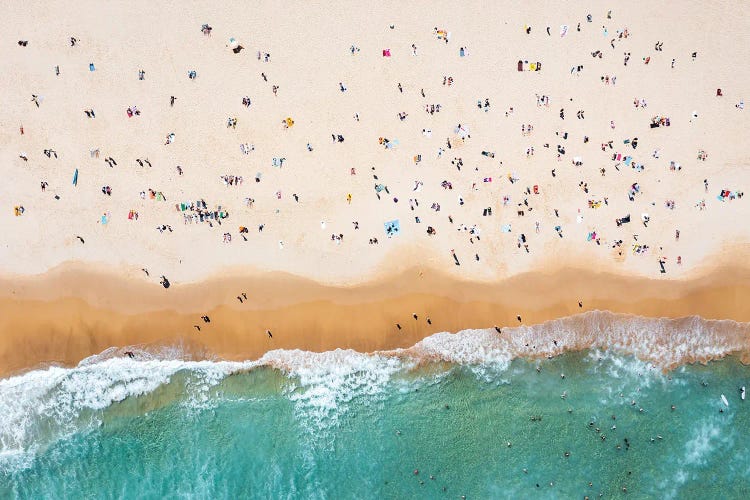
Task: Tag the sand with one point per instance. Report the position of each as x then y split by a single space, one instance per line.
312 290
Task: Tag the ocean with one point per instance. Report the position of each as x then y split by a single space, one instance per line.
415 423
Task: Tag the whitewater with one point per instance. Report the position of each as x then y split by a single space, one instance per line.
550 407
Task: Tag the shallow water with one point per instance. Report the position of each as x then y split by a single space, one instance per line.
348 425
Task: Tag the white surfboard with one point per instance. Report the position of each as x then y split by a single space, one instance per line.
724 400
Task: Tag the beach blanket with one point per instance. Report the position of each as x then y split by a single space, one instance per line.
563 30
505 228
392 228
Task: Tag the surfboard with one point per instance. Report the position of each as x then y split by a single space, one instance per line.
75 178
724 400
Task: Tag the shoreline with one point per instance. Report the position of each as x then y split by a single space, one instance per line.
67 315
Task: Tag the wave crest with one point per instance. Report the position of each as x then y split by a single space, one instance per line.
43 406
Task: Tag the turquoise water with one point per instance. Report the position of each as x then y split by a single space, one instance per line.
349 425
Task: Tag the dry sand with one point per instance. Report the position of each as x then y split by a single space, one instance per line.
58 306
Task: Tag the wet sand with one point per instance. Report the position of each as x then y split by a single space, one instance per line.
70 314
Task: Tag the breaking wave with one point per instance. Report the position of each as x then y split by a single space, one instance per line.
43 406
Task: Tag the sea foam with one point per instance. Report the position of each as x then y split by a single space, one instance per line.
42 406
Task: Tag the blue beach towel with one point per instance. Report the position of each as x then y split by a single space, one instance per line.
392 228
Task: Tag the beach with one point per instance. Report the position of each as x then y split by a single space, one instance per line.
209 193
299 220
73 314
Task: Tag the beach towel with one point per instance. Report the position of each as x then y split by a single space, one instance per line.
532 66
91 67
488 179
392 228
386 52
563 30
104 219
75 178
505 228
628 159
